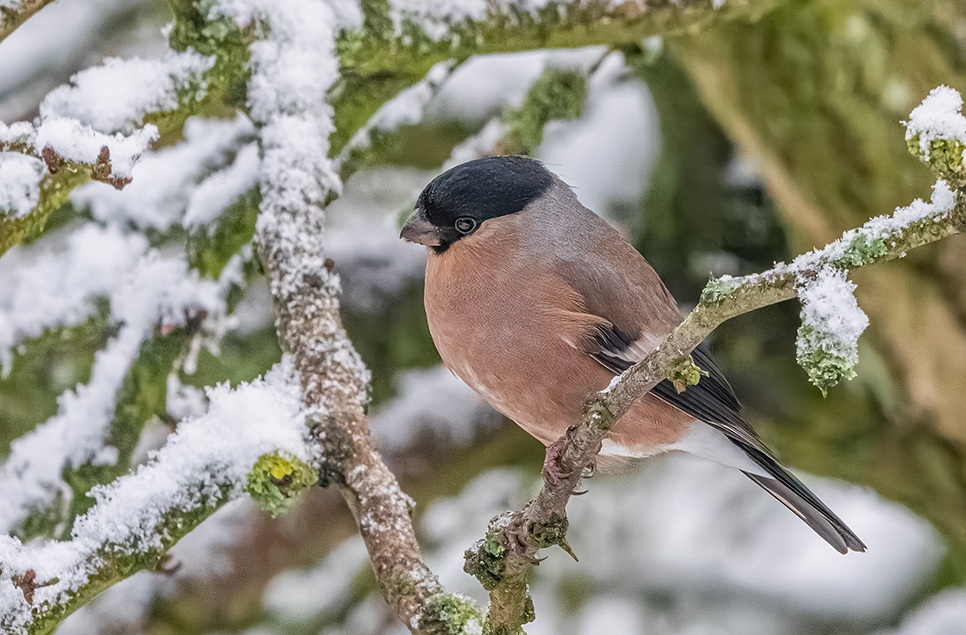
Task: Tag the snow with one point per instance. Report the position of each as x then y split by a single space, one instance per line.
299 595
937 117
693 543
203 464
221 189
116 95
74 141
436 16
431 400
165 180
49 46
607 154
55 282
833 316
483 85
19 184
18 132
158 290
292 71
942 614
184 401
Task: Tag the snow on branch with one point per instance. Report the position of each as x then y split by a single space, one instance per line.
298 48
116 96
832 323
89 130
189 183
206 463
157 292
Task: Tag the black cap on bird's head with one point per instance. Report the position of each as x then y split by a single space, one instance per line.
458 201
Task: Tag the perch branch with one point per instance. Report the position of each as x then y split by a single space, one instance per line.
502 560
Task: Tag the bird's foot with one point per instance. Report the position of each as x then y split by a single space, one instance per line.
554 472
516 538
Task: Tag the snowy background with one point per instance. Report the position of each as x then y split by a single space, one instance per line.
674 545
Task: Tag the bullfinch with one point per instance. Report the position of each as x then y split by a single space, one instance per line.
537 303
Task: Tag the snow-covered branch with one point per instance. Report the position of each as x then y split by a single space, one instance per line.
157 292
831 325
205 464
89 130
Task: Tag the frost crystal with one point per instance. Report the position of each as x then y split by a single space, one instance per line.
827 346
76 142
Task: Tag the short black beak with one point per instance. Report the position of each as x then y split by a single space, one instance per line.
418 229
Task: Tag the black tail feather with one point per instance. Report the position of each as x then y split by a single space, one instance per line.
811 510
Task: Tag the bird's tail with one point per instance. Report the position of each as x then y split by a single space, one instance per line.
807 506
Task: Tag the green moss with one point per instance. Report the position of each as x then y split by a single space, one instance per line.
558 93
450 614
276 479
943 156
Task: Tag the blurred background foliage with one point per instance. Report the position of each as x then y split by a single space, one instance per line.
775 135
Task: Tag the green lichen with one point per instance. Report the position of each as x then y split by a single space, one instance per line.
943 156
276 479
558 93
717 290
685 373
862 251
486 559
825 369
451 614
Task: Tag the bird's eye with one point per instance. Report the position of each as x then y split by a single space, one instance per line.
465 224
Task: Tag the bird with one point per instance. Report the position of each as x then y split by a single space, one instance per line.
537 303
